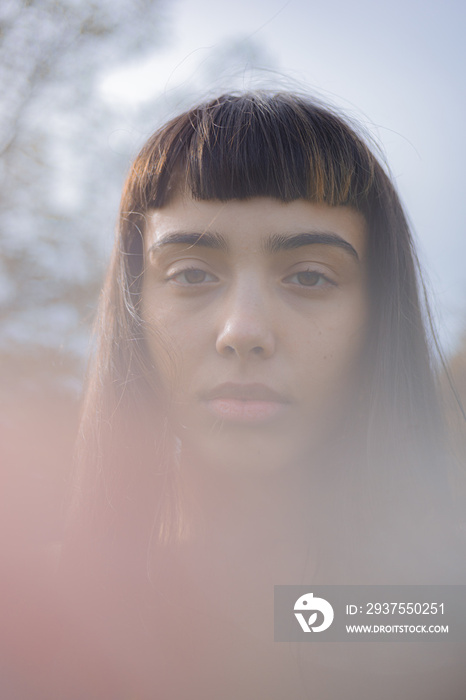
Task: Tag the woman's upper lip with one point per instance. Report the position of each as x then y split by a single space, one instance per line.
245 392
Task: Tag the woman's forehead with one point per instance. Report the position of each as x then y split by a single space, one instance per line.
259 222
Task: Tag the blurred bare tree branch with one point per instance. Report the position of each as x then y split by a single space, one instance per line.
59 185
46 41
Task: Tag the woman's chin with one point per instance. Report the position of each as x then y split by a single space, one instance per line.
252 454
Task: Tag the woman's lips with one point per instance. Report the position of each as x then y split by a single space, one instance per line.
245 403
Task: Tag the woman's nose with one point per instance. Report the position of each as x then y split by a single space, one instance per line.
245 328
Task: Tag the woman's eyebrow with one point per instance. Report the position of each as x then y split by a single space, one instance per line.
207 239
278 242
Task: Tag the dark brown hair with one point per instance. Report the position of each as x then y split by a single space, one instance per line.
288 147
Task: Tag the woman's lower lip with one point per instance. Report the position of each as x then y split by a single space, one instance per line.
244 411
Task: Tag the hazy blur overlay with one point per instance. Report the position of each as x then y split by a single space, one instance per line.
64 153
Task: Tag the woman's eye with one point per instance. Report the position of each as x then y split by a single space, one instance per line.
308 278
192 276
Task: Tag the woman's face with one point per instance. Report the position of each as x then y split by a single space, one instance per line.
264 304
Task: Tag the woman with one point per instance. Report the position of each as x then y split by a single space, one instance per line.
261 409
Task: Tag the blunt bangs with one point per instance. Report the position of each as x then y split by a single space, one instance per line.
256 145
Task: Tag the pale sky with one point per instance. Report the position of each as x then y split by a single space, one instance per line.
397 66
